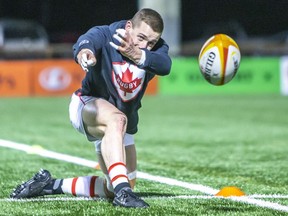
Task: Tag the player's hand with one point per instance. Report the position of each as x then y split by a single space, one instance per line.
86 58
127 46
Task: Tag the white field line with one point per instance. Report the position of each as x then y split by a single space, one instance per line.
196 187
68 198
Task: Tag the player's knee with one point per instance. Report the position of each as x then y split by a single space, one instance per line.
119 120
122 120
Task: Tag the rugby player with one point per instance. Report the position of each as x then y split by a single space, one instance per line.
119 59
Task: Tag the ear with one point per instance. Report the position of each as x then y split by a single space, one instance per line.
128 25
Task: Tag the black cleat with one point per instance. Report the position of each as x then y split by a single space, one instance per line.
33 187
126 198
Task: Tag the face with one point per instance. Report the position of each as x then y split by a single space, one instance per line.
143 36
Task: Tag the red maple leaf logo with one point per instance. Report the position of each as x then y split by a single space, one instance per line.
127 76
126 83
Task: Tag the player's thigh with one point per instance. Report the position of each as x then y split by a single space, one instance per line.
96 115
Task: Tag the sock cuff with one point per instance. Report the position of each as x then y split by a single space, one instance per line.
132 175
114 165
118 174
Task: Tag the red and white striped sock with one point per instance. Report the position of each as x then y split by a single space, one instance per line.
118 175
86 186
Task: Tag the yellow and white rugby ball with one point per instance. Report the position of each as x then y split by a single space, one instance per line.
219 59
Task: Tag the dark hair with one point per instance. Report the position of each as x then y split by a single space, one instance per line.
150 17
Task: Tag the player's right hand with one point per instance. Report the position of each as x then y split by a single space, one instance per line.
86 58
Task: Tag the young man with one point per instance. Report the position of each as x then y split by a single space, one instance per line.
120 60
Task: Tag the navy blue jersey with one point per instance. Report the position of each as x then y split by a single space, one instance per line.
115 77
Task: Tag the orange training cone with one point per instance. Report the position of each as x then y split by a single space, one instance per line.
230 191
97 166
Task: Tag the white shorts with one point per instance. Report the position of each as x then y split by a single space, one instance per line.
76 106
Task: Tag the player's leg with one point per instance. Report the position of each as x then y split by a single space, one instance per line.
99 119
83 186
42 184
102 119
131 160
131 163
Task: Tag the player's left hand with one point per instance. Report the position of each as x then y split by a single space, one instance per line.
127 46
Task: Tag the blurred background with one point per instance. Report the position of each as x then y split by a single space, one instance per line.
44 31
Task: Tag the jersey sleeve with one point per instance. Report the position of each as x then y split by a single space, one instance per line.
93 39
157 60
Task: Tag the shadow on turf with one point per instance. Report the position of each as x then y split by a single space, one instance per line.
151 194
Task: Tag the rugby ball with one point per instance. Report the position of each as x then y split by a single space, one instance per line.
219 59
